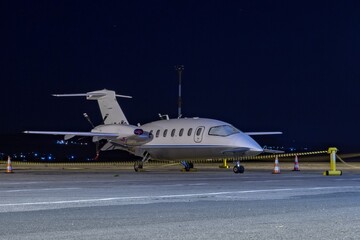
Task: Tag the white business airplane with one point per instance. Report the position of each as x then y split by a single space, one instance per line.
182 139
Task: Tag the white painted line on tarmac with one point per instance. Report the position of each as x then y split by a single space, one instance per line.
18 183
175 196
39 189
183 184
198 184
348 179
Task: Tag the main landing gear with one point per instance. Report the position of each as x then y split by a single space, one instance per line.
238 168
187 165
138 165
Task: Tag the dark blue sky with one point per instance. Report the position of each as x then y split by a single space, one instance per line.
290 66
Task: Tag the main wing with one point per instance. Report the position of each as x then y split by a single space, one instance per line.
86 134
69 135
139 137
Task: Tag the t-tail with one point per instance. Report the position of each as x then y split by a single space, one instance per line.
109 107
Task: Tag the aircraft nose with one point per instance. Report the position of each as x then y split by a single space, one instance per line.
252 144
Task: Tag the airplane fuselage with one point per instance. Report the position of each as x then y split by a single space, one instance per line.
194 138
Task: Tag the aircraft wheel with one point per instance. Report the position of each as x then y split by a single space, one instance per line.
191 165
187 168
137 166
239 169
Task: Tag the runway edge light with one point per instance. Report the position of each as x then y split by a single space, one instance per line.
332 172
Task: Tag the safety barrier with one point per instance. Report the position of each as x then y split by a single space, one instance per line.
93 163
157 162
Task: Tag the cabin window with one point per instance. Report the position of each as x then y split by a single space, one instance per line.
223 130
198 132
173 132
165 132
190 131
158 133
181 132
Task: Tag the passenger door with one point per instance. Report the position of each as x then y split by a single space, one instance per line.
198 135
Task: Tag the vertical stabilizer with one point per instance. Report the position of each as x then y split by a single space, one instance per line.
109 107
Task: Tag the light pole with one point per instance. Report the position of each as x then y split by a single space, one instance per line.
179 69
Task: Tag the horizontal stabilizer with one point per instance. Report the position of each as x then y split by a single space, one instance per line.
262 133
88 95
108 104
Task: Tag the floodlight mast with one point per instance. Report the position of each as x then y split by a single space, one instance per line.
179 69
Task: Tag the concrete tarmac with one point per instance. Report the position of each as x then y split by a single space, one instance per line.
211 203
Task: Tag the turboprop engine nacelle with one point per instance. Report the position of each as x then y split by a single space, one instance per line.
126 134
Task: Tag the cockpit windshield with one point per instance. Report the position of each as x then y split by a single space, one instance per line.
223 130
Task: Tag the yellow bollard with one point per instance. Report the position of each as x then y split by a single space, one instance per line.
225 165
333 172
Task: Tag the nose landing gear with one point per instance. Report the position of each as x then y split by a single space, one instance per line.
238 168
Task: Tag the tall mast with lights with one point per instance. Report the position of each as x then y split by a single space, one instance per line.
179 69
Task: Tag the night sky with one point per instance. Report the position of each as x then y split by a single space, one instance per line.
289 66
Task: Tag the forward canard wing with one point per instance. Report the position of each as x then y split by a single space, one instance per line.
243 150
262 133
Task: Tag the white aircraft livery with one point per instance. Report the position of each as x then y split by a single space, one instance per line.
182 139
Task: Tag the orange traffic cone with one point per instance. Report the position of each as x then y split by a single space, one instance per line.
9 166
296 164
276 167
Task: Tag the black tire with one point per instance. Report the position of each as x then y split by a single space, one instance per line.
136 166
239 169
